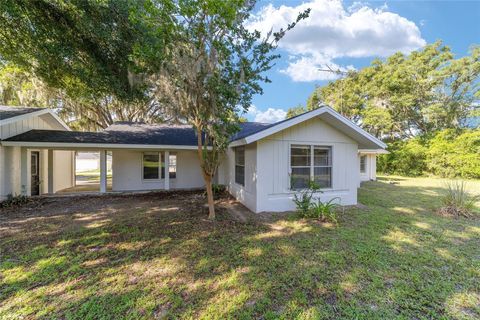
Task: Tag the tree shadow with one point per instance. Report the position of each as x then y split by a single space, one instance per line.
152 257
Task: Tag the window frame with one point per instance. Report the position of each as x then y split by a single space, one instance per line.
161 166
364 163
312 165
239 149
170 155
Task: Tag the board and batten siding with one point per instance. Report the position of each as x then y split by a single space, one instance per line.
273 170
246 194
127 171
10 159
370 167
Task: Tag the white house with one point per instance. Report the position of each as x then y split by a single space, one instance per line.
263 168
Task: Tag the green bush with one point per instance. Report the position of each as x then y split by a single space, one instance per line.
406 158
448 153
457 201
452 154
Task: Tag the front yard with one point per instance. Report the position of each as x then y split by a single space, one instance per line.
155 256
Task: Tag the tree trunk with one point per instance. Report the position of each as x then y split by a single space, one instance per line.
211 207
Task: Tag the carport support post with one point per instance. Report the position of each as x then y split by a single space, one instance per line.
167 170
103 171
50 171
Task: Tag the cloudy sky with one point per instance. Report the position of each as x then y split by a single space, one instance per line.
349 35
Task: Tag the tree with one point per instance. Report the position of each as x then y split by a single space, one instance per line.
295 111
408 95
215 68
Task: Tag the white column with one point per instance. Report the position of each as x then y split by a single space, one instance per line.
167 170
25 172
103 171
50 171
2 172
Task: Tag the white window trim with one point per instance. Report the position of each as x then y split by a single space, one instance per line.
160 154
235 166
364 164
312 166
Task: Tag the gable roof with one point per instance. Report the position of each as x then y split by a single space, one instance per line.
327 114
141 135
12 114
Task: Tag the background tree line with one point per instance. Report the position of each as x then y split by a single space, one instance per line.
425 105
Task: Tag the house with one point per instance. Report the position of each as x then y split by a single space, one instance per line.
264 166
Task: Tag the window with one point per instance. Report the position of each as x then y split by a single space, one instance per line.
151 165
240 165
363 162
172 166
154 165
310 163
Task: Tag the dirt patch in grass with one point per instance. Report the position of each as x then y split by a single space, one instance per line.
156 255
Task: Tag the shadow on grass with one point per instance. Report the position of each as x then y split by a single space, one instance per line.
146 257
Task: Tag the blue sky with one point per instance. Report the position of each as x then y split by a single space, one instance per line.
348 34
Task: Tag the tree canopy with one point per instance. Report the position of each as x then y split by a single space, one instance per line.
407 95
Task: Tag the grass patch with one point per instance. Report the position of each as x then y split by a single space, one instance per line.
148 257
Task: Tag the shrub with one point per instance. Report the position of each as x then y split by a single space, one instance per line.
455 154
457 201
13 201
406 158
309 207
326 211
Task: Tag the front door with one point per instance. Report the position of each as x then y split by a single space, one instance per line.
35 172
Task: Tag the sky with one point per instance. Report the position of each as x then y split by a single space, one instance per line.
349 35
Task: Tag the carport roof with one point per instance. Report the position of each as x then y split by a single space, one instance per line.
122 134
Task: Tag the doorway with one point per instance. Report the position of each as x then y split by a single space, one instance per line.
35 173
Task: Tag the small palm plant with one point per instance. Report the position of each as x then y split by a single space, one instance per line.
457 201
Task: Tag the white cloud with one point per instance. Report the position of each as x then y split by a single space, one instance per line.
333 31
271 115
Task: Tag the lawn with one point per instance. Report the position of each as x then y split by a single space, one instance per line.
156 256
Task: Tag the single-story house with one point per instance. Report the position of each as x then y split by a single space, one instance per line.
264 166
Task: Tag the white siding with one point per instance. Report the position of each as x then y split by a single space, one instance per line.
370 167
10 159
268 186
127 172
63 170
245 194
43 122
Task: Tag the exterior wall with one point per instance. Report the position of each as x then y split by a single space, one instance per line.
273 159
43 122
63 170
247 194
127 172
14 180
370 167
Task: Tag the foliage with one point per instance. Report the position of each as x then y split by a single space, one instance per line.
325 211
309 206
455 154
88 48
405 158
407 95
457 201
448 153
14 201
215 68
292 112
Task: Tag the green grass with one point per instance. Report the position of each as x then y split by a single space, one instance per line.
147 258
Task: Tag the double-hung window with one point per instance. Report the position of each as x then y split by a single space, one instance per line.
240 165
310 163
154 165
363 162
151 165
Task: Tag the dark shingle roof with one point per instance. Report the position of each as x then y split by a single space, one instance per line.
10 112
131 133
